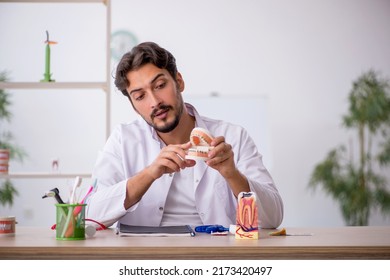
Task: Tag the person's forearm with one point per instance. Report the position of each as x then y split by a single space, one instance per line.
136 187
237 182
105 204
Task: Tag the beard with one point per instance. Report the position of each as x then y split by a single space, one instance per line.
168 126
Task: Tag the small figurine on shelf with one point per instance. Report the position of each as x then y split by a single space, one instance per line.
55 165
47 74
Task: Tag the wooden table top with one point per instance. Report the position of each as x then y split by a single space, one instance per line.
324 243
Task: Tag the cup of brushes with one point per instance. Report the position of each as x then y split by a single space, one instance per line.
70 217
70 221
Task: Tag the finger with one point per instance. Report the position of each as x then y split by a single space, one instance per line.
173 158
223 155
217 140
186 146
169 165
219 150
178 150
176 155
219 163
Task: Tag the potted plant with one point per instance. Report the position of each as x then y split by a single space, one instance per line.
357 179
8 150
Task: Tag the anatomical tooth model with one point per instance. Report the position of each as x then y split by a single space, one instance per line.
246 218
200 139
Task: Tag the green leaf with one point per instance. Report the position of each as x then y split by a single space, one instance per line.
369 102
4 100
7 193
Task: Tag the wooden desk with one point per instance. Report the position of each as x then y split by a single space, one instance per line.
325 243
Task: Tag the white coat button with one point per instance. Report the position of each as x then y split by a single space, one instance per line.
161 208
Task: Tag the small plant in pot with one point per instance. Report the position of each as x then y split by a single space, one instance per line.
8 150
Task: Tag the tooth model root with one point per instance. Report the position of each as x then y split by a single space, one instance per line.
247 224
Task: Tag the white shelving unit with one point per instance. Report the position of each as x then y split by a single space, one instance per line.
104 86
42 175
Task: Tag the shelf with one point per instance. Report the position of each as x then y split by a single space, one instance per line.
54 85
43 175
53 1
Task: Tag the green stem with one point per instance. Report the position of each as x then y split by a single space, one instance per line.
362 177
47 65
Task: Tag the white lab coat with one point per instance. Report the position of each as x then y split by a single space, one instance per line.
133 146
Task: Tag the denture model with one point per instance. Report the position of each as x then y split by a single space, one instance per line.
246 217
200 139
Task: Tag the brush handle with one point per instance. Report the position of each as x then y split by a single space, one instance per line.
66 226
78 208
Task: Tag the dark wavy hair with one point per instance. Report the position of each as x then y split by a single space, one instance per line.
147 52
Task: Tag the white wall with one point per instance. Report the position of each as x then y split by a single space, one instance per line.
303 55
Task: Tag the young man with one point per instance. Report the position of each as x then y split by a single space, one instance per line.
143 175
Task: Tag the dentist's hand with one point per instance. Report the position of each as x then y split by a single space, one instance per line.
221 157
171 159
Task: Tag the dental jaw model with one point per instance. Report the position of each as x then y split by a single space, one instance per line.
246 217
200 139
